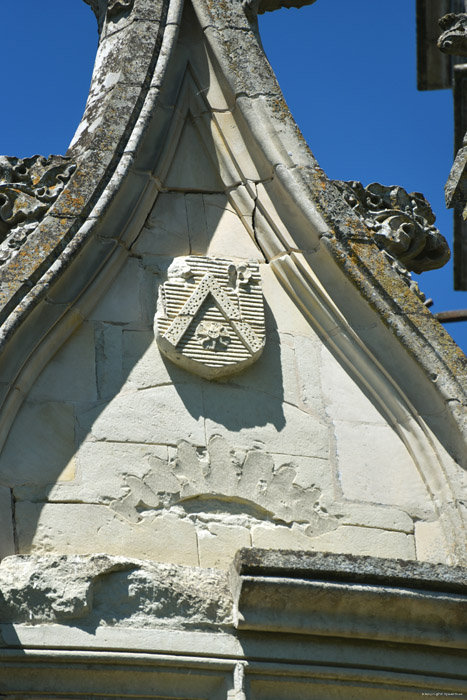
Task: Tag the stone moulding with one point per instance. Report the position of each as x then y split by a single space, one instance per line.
105 626
343 596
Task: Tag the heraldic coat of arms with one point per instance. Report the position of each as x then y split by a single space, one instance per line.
210 315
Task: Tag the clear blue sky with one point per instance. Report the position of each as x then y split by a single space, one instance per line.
347 69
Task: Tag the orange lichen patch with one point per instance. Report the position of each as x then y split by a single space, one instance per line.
371 273
70 203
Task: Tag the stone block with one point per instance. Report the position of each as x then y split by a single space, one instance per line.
218 544
430 542
103 470
199 239
108 370
226 231
308 359
274 373
40 445
144 366
342 540
122 303
366 515
194 165
166 231
71 374
162 415
375 466
368 541
70 528
312 472
7 539
247 418
343 398
282 311
269 536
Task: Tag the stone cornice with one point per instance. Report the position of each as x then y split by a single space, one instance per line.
354 597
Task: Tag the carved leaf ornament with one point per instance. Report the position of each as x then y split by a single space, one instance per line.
210 316
401 222
28 187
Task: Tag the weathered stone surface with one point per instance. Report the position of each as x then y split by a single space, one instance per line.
275 374
342 540
7 540
40 444
71 376
107 590
166 231
248 419
108 363
430 541
219 479
122 303
374 516
28 188
453 40
226 232
344 596
343 399
160 416
351 568
402 223
281 312
374 466
217 542
245 456
102 470
144 366
85 529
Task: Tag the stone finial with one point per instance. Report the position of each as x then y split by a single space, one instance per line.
28 188
453 40
401 222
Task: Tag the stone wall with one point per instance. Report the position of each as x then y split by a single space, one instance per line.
116 449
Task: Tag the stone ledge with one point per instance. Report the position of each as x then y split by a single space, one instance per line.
349 596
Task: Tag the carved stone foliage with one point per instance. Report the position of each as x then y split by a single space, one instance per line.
210 316
401 222
218 480
28 187
453 40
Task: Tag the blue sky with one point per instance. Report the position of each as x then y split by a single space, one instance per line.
347 70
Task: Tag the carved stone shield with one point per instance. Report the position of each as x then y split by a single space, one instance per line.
210 315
